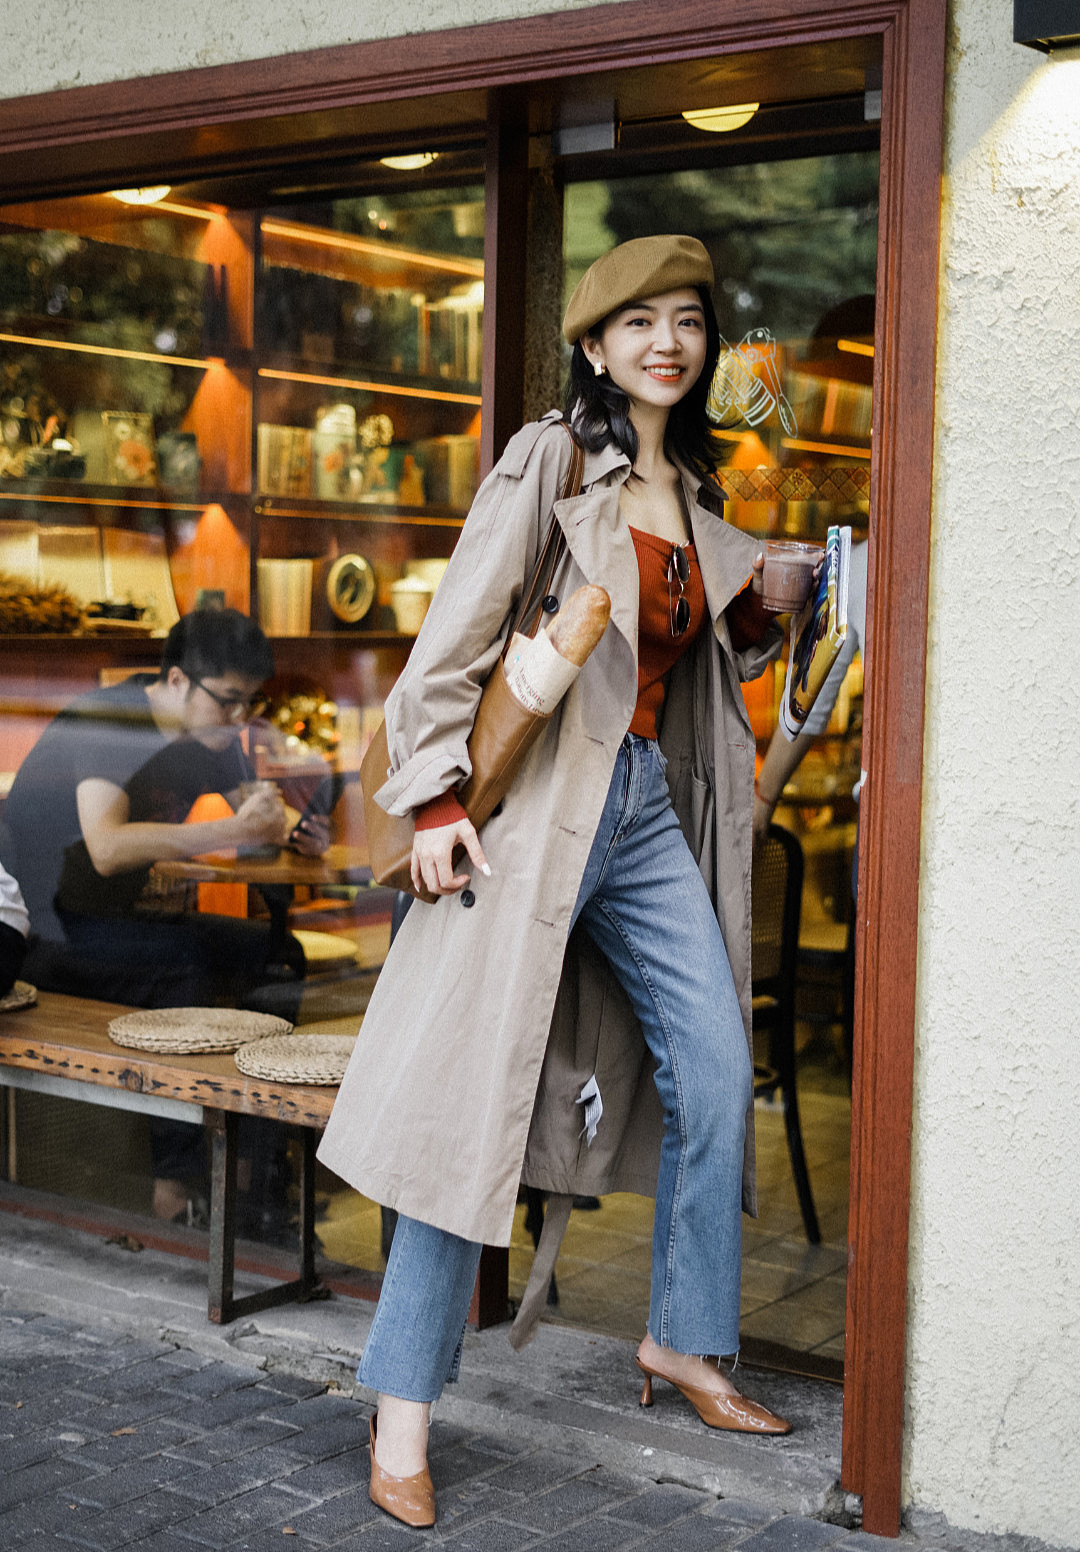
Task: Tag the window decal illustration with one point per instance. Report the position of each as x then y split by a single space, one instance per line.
746 383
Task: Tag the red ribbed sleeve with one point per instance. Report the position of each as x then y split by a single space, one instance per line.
444 810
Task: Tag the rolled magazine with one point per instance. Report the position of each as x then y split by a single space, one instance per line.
817 634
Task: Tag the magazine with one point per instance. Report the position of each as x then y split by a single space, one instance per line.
817 634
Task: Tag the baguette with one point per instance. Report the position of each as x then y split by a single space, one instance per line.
581 622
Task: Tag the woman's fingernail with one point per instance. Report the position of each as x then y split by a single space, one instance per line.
485 870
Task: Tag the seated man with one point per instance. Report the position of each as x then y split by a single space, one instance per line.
103 795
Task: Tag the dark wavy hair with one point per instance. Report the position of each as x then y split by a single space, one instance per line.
212 642
600 411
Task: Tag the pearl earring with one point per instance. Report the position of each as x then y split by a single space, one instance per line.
599 368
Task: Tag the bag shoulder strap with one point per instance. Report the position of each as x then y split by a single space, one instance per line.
551 550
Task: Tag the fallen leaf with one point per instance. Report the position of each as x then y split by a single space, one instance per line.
125 1242
18 1405
119 1432
288 1531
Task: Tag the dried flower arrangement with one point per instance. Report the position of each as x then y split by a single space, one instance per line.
29 610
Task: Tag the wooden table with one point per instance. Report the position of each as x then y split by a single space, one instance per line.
61 1047
337 865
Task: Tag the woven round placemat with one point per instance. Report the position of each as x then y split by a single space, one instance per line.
21 995
193 1031
297 1058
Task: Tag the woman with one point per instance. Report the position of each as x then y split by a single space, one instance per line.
580 971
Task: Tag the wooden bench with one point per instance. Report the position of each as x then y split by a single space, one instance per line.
61 1047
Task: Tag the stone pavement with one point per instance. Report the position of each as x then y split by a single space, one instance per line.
109 1441
128 1420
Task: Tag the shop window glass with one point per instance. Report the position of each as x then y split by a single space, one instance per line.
274 411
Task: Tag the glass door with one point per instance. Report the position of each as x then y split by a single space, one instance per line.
794 246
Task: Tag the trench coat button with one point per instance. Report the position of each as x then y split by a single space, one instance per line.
467 897
549 604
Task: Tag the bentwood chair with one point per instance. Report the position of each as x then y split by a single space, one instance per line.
777 902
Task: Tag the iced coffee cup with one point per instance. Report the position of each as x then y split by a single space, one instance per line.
788 574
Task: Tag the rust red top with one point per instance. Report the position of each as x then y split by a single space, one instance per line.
658 649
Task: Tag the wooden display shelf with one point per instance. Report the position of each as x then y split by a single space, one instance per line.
345 638
351 256
433 515
25 332
59 492
354 374
135 646
119 643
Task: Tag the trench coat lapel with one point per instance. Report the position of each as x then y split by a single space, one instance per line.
725 555
602 547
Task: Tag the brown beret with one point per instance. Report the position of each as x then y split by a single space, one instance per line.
645 266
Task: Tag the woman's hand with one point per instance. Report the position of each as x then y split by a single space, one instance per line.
432 863
757 575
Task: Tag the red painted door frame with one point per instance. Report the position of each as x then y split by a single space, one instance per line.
186 122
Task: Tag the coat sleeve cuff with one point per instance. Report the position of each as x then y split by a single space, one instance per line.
422 778
752 661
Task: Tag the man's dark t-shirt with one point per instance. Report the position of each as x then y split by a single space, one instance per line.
162 791
107 734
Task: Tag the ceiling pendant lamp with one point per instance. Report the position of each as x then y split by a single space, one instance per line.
718 121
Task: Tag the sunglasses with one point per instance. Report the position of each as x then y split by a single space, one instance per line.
237 709
678 574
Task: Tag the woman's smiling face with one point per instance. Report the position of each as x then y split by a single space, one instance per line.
653 349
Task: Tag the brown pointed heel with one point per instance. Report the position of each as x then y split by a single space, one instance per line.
409 1499
735 1413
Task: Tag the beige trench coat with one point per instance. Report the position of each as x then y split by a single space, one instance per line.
485 1024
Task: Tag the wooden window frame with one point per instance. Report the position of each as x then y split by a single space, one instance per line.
91 136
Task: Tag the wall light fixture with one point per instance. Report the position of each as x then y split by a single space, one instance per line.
1047 24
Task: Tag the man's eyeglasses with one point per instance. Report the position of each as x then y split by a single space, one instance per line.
678 575
237 708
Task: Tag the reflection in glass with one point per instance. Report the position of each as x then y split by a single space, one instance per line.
195 402
794 246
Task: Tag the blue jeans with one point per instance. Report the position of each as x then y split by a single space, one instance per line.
644 903
414 1345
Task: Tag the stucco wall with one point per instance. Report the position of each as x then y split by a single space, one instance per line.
993 1435
61 43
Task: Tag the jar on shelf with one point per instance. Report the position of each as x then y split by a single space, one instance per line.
333 447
